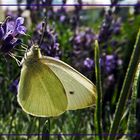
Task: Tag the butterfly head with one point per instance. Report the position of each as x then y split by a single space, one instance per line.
32 55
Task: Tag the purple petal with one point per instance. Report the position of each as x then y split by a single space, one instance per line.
14 86
4 25
10 26
62 18
88 63
19 21
21 30
1 32
39 26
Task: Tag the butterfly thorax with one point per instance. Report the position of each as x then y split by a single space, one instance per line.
32 56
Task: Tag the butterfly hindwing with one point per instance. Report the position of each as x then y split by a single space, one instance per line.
80 91
40 92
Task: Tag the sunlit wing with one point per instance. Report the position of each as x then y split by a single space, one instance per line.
40 92
80 91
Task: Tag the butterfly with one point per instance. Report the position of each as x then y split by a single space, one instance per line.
48 87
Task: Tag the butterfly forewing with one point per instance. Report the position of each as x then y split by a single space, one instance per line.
80 91
40 92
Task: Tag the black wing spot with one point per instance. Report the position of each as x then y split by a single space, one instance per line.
71 92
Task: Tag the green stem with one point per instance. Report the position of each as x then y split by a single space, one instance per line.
30 126
46 130
131 126
98 114
39 128
12 119
126 87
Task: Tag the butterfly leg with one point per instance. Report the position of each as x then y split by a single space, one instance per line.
14 57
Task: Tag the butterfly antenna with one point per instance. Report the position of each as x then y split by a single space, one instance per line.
44 26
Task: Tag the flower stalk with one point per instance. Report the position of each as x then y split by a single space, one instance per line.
98 114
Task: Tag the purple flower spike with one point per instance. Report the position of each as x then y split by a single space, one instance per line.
49 45
110 63
9 31
82 45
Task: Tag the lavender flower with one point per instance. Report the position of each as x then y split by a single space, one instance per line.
49 45
110 63
11 14
88 63
110 26
9 32
62 15
82 54
106 28
14 86
117 26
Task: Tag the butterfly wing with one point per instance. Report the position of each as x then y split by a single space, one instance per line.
80 91
40 92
